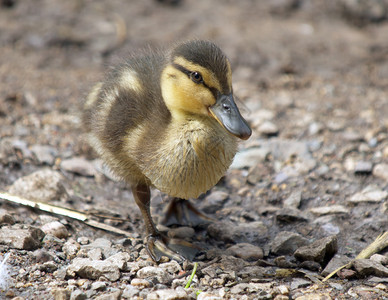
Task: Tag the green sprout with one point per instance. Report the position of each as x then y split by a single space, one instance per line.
191 276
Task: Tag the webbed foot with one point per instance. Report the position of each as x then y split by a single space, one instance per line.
158 245
182 212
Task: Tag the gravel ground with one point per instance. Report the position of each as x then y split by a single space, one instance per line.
305 194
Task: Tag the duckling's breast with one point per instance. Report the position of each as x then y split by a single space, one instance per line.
191 160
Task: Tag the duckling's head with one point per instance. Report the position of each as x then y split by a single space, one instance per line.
198 81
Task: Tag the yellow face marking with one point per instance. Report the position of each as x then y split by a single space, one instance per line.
183 96
209 77
129 80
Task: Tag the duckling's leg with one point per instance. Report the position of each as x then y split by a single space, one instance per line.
182 212
158 244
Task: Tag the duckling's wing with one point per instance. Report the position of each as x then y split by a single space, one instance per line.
125 113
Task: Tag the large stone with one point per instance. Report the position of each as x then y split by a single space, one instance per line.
336 262
93 269
367 267
42 186
285 243
320 251
21 238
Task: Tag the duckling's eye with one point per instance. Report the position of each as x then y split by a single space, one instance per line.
196 77
226 107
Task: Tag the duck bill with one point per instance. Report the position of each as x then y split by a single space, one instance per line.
225 111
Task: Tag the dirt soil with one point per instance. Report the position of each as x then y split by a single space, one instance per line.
312 80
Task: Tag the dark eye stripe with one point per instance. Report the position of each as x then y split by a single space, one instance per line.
182 69
213 90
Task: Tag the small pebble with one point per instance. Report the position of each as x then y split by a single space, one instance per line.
130 292
140 283
6 218
77 295
287 242
71 248
281 289
208 296
181 232
44 154
79 165
171 267
160 274
168 294
120 260
363 168
246 251
98 286
95 254
268 129
56 229
369 194
293 200
297 283
42 256
315 128
381 171
382 259
83 240
328 210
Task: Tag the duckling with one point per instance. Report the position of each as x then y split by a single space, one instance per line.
167 120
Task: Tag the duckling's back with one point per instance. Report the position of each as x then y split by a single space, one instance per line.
122 110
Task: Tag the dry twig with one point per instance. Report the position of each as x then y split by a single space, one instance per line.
57 210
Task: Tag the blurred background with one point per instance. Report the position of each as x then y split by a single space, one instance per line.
53 50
